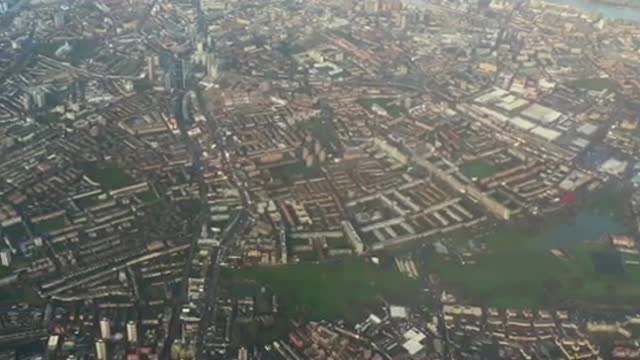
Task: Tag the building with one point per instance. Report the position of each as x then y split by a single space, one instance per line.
132 332
212 66
101 350
105 329
151 68
52 344
39 97
243 354
181 71
58 20
5 257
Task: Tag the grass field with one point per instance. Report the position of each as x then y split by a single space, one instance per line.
519 270
295 171
48 226
515 278
325 132
331 290
596 84
16 232
19 294
109 177
478 169
148 197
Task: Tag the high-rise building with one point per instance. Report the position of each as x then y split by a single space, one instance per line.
101 350
58 20
105 329
39 97
212 66
243 354
52 344
52 347
132 332
181 71
168 81
26 102
5 257
151 68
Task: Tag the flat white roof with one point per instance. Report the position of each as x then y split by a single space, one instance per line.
494 115
397 311
511 103
614 166
580 142
541 113
412 347
494 95
587 129
521 123
413 334
546 133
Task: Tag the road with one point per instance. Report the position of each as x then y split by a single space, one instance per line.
238 227
234 231
197 176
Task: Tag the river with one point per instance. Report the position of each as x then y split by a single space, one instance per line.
608 11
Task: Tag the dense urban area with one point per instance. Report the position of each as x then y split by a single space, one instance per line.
318 179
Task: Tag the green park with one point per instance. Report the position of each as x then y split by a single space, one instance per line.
478 169
520 270
345 289
110 176
517 269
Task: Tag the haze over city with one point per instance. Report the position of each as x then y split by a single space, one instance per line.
319 179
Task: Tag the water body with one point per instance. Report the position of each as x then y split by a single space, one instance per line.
608 11
586 226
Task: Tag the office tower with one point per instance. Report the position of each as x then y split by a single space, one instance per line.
105 329
101 350
132 332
